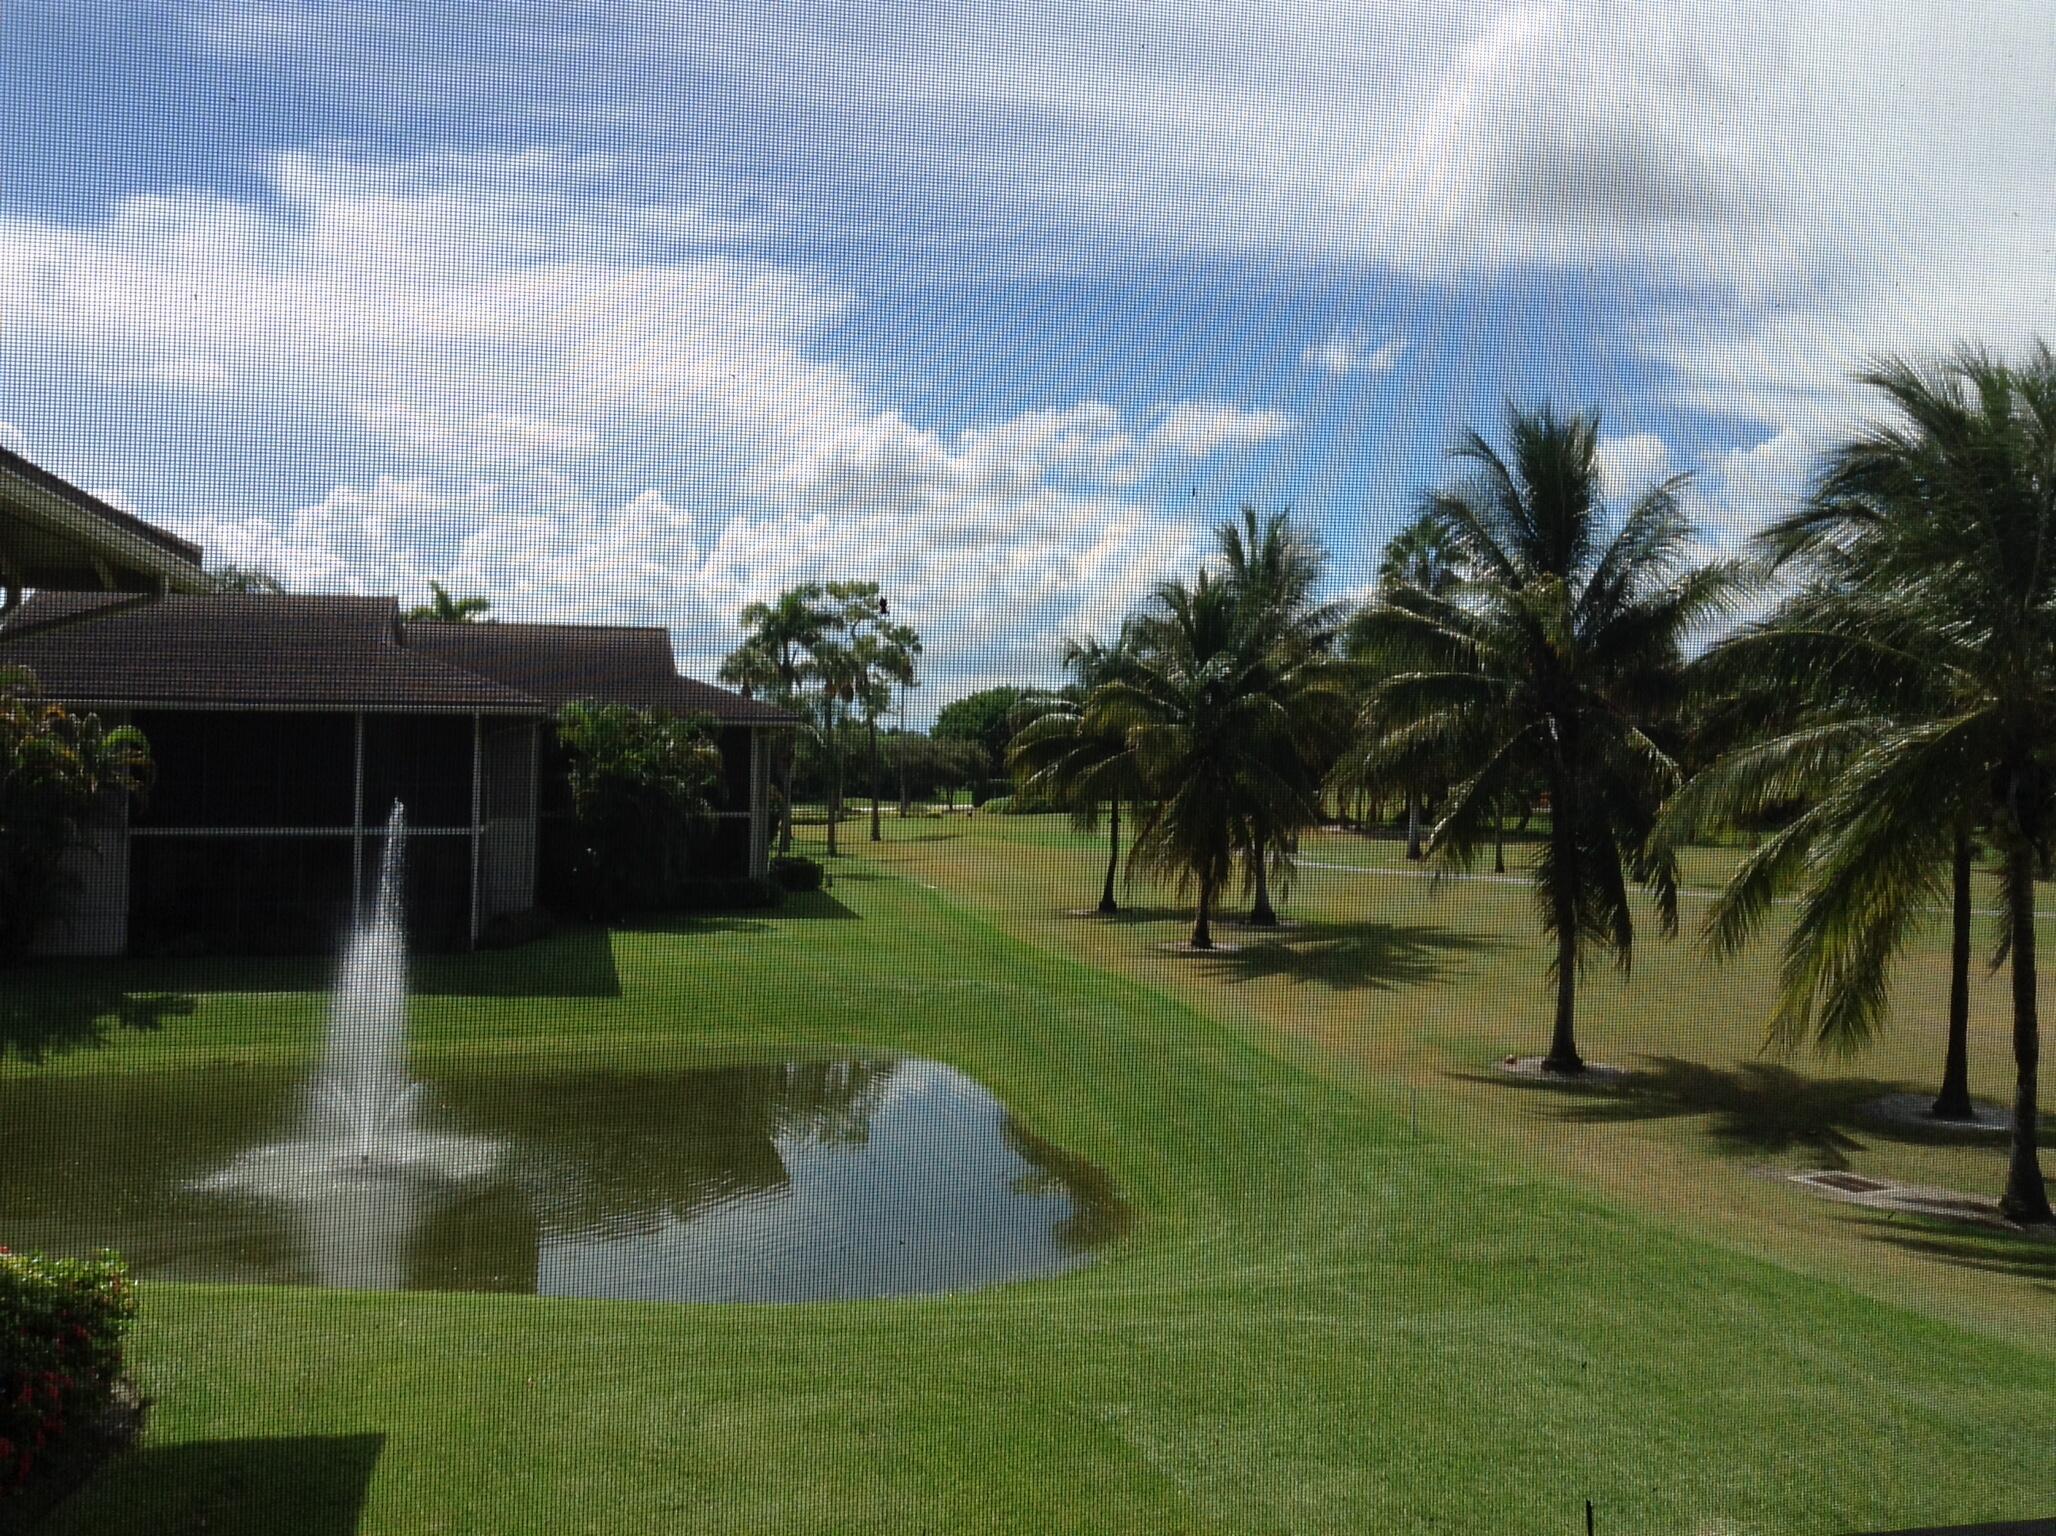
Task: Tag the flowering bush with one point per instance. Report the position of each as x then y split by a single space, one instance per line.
62 1322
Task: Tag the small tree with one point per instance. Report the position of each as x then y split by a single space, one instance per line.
55 766
445 609
641 782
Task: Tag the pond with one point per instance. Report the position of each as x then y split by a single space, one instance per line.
774 1181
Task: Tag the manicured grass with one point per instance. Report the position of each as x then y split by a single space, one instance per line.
1331 1315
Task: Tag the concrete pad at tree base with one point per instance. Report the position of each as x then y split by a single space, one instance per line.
1187 949
1596 1074
1911 1112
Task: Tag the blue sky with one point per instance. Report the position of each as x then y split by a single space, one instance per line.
622 311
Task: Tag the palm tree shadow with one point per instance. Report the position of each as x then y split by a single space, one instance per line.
1350 957
1134 914
49 1010
1756 1107
1993 1249
312 1485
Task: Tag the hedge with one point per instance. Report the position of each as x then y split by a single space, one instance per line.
62 1323
796 873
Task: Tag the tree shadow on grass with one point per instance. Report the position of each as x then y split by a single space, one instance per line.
1757 1107
1129 914
310 1485
1754 1107
1349 957
1994 1249
50 1009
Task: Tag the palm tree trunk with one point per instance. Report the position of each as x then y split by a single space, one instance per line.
1107 905
1498 841
2027 1196
1202 928
1953 1103
1563 1043
788 768
834 785
1261 913
876 835
1413 823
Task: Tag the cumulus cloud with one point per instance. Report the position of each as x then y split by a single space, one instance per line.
12 438
577 418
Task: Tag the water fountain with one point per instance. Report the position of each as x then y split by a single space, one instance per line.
365 1172
363 1101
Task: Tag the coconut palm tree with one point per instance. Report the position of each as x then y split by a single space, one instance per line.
1079 760
1273 568
1556 659
1208 719
445 609
1797 737
773 661
1421 557
1955 615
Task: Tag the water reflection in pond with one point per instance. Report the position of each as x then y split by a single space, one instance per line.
787 1181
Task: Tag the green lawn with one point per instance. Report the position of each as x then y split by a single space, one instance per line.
1339 1309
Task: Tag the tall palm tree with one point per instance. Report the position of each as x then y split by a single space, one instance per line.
1207 718
1956 615
1421 557
1555 659
1798 736
445 609
1078 759
1273 568
773 661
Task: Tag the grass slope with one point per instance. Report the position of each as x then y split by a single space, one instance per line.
1325 1319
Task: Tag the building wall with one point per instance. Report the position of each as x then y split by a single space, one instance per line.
507 844
91 912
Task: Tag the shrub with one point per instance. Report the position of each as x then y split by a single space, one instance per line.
795 872
640 780
55 767
997 805
62 1322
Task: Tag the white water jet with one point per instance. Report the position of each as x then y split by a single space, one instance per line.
362 1104
365 1172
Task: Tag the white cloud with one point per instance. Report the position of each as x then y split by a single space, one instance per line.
12 439
575 419
116 498
1630 465
1343 354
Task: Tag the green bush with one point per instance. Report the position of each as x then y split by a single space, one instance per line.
62 1323
795 872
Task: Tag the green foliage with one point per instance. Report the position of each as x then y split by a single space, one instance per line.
55 767
796 872
445 609
62 1325
641 782
1919 662
1549 651
250 580
986 718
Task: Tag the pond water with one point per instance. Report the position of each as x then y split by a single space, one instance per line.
773 1181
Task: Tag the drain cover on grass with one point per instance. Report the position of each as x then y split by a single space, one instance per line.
1848 1183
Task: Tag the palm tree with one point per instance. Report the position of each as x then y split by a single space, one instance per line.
1078 759
445 609
1800 734
1208 721
1948 511
1555 658
1273 568
773 661
1421 557
250 580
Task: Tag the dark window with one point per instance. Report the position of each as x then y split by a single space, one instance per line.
248 769
422 761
